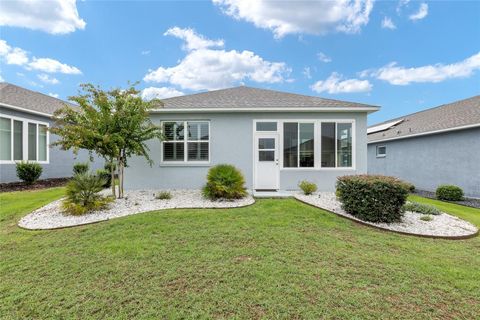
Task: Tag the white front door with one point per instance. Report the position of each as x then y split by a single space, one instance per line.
266 161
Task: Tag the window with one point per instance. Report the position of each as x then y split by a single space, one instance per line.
14 132
5 139
32 141
298 145
337 145
266 126
344 145
186 141
381 151
328 144
18 140
266 149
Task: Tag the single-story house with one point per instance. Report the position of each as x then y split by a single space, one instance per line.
25 117
431 147
276 139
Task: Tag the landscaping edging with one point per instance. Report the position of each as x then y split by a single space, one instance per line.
310 200
50 216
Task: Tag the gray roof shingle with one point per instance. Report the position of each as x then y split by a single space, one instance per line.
247 97
11 94
448 116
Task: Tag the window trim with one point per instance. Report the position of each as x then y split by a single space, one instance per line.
380 155
317 142
185 141
25 122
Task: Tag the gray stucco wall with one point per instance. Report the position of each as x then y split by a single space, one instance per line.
428 161
61 162
231 141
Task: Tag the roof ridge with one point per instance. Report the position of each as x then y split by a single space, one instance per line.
269 90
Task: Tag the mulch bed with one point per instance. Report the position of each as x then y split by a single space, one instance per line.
40 184
468 202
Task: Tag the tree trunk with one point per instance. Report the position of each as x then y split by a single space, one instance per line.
120 177
112 175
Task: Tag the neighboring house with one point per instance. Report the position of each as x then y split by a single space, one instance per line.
432 147
25 117
276 139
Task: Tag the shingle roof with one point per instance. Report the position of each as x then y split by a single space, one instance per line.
448 116
16 96
247 97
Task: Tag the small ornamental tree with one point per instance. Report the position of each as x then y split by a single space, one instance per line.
113 124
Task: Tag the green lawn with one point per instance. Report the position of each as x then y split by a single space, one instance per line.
275 259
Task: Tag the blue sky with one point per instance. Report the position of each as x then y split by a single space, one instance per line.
402 55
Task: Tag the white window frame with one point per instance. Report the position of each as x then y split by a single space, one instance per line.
185 161
380 155
317 142
25 122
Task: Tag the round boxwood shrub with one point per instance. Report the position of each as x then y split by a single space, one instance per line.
373 198
80 168
224 181
29 172
449 193
307 187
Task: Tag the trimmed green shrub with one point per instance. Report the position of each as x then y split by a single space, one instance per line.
224 181
372 198
307 187
449 193
163 195
80 168
426 217
105 175
28 172
420 208
82 194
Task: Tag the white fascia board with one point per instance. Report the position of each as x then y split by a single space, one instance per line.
470 126
9 106
298 109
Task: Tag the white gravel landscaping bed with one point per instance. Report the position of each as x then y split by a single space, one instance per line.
52 217
443 225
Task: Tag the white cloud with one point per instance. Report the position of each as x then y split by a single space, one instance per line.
53 16
398 75
204 68
1 78
387 23
401 4
55 95
306 72
193 40
421 13
47 79
52 66
145 52
296 17
160 93
323 57
18 56
336 84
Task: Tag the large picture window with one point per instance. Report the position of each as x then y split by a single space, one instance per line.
14 131
298 145
186 141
